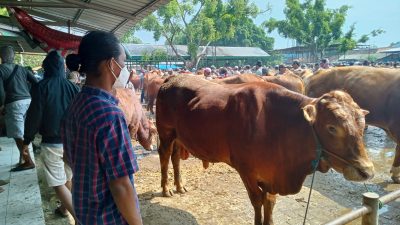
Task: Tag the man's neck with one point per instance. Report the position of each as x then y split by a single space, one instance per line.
98 83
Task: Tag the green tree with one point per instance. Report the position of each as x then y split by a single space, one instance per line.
3 11
29 60
347 42
247 34
311 24
129 37
199 22
364 38
159 55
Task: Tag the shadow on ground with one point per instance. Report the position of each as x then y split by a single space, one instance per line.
153 213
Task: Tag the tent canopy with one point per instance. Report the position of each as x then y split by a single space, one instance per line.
79 16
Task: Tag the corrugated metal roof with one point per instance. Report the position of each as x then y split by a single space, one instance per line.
392 50
117 16
141 49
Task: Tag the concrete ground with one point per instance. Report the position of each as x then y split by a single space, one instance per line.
20 203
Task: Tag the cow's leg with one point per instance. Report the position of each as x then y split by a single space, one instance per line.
396 166
255 195
269 203
149 107
165 152
394 133
176 159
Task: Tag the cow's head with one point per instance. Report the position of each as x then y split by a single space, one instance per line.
339 125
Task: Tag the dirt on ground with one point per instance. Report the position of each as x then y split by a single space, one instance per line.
217 195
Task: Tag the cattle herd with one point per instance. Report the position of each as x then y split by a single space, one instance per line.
255 124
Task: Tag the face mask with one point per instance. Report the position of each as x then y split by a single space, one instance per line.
122 79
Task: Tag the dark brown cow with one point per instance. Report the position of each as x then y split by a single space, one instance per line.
375 89
152 90
263 131
289 80
139 126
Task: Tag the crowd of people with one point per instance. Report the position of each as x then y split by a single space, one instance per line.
259 69
86 147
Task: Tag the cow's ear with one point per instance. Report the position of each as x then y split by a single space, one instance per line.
310 113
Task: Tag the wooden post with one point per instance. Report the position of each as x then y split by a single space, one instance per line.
371 200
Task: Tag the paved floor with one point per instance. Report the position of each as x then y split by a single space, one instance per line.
20 203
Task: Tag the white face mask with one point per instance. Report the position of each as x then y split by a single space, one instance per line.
122 79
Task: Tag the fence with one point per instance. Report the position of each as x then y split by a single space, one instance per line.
369 211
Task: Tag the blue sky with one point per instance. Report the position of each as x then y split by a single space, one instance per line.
366 14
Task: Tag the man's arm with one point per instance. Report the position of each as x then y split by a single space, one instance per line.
33 115
118 162
31 78
124 196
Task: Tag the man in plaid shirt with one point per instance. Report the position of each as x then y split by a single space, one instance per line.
96 139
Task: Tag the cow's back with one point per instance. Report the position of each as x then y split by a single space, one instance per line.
290 81
239 79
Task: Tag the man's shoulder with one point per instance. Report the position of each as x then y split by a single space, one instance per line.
95 109
6 68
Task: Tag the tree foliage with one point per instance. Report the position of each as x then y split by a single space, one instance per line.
3 11
310 23
247 34
131 39
156 55
198 22
347 42
29 60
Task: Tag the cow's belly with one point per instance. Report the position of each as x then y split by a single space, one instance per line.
205 137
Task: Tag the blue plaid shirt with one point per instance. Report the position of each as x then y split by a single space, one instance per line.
98 147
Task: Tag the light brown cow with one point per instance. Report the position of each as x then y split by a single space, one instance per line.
139 126
263 131
375 89
289 80
238 79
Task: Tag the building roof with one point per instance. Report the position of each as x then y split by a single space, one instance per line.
116 16
211 51
392 50
361 57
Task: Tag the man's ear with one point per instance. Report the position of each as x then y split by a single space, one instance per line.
310 113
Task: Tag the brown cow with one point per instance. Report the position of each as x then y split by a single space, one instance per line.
135 80
238 79
289 80
139 126
152 90
147 78
375 89
256 128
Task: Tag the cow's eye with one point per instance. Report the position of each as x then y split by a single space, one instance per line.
332 129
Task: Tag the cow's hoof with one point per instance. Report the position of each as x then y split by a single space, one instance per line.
181 190
396 180
168 193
